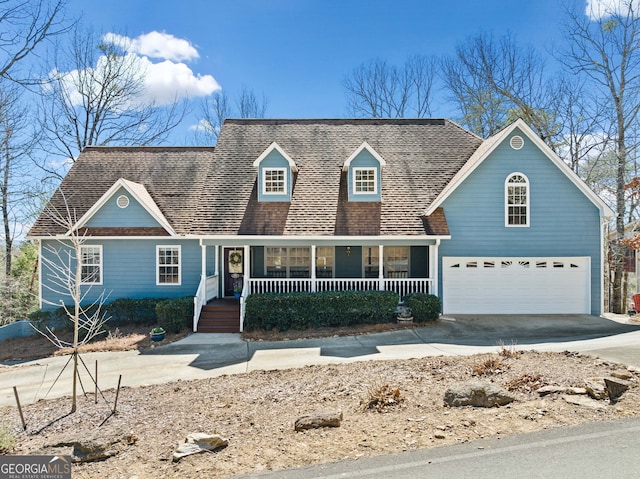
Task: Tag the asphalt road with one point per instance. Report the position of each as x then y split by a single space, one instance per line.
594 450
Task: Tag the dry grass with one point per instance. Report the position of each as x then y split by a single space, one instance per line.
491 365
380 397
123 338
262 335
7 439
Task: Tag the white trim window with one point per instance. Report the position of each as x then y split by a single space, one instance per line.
91 264
324 261
516 192
288 262
168 265
396 262
370 261
365 180
274 181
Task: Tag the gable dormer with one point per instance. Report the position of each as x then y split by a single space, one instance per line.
364 174
125 205
275 174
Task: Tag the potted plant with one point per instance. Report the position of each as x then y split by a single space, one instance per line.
157 334
237 291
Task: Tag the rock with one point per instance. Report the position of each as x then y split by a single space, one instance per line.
96 446
478 394
615 388
543 391
596 388
583 401
327 418
199 442
622 374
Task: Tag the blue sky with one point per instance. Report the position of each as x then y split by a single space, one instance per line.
297 52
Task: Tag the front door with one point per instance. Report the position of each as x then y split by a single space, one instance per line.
233 270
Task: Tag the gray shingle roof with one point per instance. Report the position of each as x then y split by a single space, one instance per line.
422 156
207 191
174 178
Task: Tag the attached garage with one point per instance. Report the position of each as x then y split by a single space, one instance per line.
516 285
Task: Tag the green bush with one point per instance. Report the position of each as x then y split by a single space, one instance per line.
175 315
133 311
424 307
315 310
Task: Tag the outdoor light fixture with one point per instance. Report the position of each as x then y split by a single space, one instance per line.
348 250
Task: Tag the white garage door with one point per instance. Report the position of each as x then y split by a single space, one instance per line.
476 285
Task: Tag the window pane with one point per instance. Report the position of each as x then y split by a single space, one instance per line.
169 265
517 200
397 261
324 262
90 264
370 262
365 180
274 181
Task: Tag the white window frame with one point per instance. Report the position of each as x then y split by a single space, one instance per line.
357 169
389 252
286 259
527 204
284 180
99 264
325 258
179 265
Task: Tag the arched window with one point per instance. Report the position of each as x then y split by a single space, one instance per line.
516 192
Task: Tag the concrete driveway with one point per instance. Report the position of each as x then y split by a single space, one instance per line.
201 356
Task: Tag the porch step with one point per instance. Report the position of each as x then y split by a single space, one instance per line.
220 316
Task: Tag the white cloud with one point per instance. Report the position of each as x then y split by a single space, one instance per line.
167 80
599 9
164 81
156 45
203 125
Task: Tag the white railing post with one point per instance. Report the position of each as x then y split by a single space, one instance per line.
381 267
313 268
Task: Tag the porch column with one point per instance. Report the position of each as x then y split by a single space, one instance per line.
313 268
381 267
433 267
203 274
246 269
216 263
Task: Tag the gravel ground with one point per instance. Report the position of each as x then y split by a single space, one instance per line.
256 411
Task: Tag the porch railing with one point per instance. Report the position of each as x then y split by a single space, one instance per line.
207 290
290 285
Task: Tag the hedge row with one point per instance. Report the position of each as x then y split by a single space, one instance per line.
316 310
173 314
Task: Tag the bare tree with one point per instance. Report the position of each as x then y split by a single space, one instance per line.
217 108
606 50
95 97
249 106
67 272
25 24
379 90
495 81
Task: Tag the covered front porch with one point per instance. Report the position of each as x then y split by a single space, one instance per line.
229 268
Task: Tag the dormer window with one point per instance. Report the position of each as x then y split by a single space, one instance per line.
274 181
364 174
365 180
275 174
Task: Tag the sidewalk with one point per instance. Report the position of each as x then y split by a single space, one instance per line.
200 355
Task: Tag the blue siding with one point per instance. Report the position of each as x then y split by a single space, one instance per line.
563 222
274 160
364 160
129 270
111 215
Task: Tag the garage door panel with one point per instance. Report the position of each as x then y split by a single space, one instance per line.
516 285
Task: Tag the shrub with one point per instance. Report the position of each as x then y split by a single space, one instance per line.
315 310
380 397
133 311
175 315
425 307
